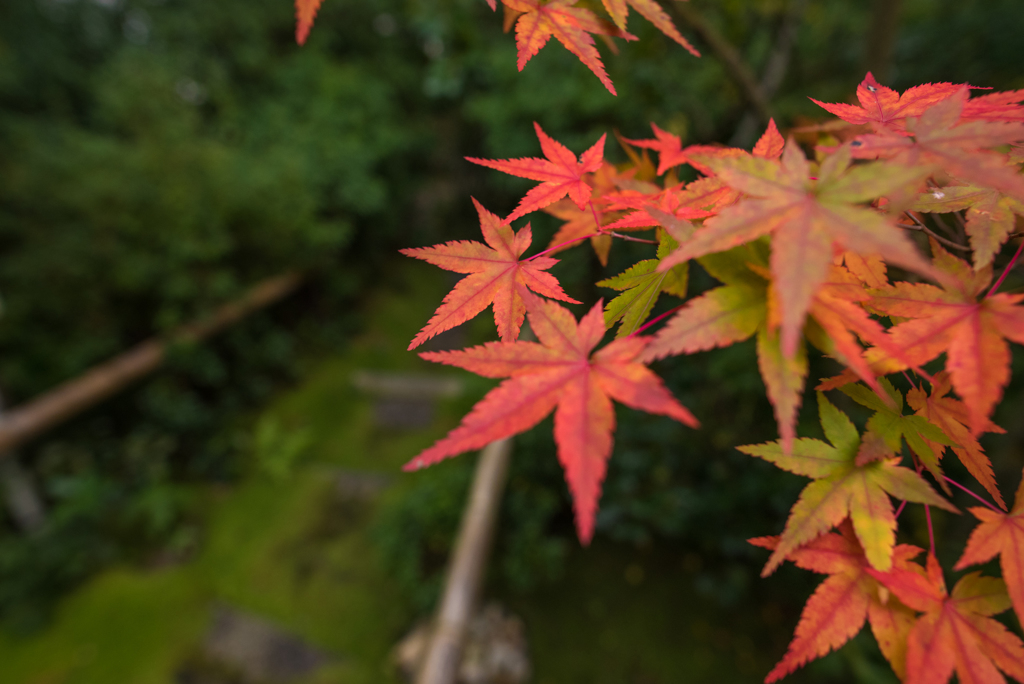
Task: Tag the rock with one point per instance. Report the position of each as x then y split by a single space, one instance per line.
405 401
495 651
258 650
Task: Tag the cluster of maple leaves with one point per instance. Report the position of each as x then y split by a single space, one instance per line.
802 248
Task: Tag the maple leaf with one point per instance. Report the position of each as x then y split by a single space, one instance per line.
991 215
925 439
954 320
571 26
950 415
956 631
841 604
559 371
729 314
842 488
496 276
810 217
995 107
305 13
642 284
652 11
672 153
560 174
959 148
884 108
582 223
1002 534
673 200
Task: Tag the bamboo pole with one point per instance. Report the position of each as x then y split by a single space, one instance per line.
469 559
25 422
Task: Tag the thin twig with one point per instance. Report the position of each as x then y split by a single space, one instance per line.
630 237
928 231
900 509
957 484
1006 271
944 226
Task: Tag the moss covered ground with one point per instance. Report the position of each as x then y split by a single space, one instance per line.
278 544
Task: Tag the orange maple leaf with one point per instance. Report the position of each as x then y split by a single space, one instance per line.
560 174
305 13
559 371
951 416
1003 534
571 26
884 108
956 631
841 604
811 218
496 276
652 11
954 320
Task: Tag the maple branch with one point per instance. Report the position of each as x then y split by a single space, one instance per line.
774 70
941 222
729 56
960 486
918 225
1006 271
656 319
631 238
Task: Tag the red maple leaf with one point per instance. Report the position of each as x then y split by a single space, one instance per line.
961 149
305 13
560 174
571 26
971 330
672 153
496 276
559 371
995 107
1003 534
884 108
956 631
811 217
841 604
652 11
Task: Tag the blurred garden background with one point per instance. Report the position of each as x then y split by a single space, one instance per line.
159 157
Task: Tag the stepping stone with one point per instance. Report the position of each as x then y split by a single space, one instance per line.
495 651
405 401
257 650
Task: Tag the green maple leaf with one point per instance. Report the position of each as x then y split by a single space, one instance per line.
641 285
890 424
844 486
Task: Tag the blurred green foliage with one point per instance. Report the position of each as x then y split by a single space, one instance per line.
158 156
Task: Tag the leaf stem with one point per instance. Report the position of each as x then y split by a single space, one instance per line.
961 487
1006 271
900 509
654 320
